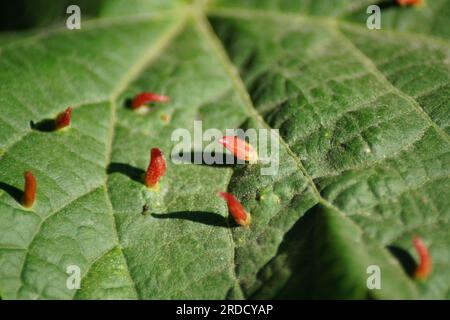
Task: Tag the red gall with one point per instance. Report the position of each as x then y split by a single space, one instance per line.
63 119
409 2
29 194
424 267
156 169
236 209
239 148
147 97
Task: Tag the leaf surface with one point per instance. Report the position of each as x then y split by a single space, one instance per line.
363 123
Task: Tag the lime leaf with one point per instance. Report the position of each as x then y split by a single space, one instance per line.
363 130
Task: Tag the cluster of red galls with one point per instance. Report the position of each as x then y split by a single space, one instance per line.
157 169
157 166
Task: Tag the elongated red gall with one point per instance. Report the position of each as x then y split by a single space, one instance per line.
239 148
147 97
409 2
63 119
425 263
236 209
29 194
156 169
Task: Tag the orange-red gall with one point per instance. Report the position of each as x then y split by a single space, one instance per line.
425 264
409 2
63 119
29 194
156 169
239 148
237 211
147 97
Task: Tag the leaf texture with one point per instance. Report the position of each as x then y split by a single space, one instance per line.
363 123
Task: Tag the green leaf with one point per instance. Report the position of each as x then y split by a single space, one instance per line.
364 165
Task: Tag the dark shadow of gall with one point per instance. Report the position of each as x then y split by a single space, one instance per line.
197 157
405 259
46 125
14 192
208 218
133 173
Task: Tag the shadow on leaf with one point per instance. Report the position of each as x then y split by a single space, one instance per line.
128 103
198 158
383 4
14 192
46 125
133 173
405 259
208 218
